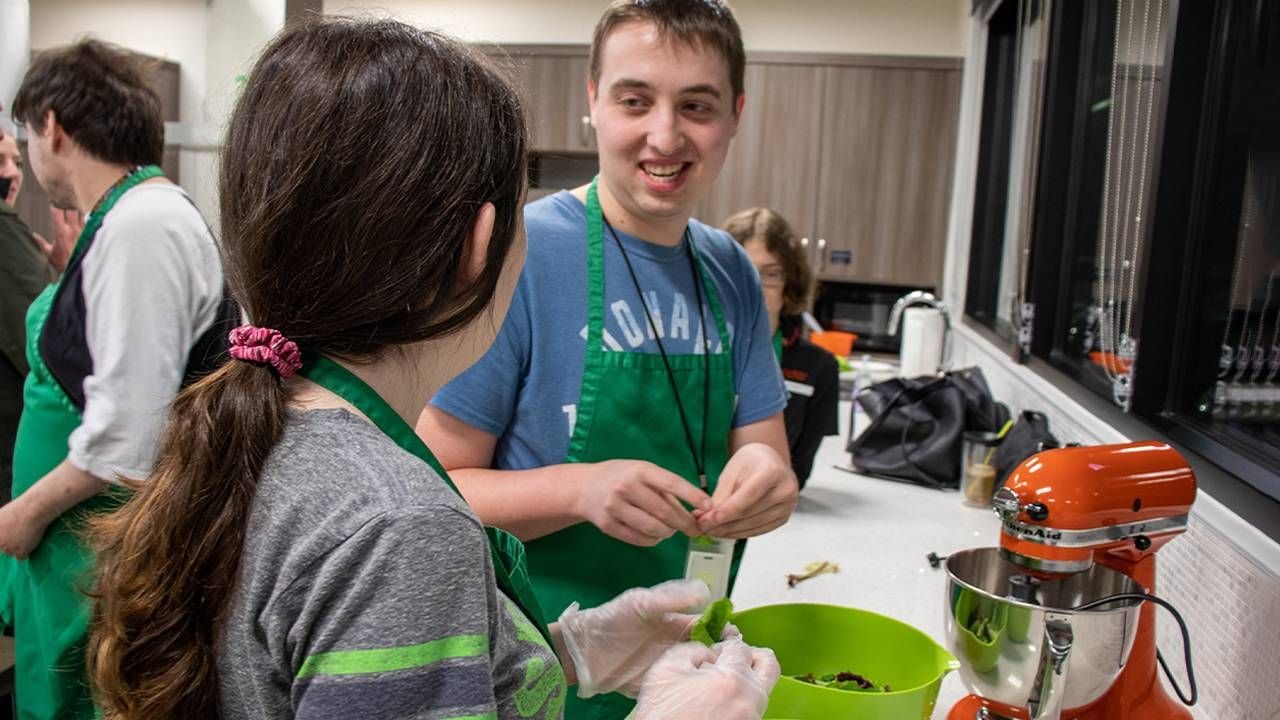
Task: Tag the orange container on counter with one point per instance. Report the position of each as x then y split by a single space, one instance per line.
833 341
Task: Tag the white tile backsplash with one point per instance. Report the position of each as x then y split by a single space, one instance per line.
1232 609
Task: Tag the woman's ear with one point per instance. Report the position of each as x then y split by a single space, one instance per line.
478 241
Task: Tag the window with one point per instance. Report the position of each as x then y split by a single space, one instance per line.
1216 272
1153 223
1101 175
1017 41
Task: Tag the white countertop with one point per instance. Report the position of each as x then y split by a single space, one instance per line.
879 532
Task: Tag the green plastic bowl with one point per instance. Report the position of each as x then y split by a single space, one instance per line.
822 639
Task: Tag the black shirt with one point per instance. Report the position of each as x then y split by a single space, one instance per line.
813 385
24 272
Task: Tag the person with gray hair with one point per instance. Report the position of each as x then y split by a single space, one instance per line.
24 272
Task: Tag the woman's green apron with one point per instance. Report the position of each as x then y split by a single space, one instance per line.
508 555
625 410
43 595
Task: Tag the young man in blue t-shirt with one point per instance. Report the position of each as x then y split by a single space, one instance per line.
632 399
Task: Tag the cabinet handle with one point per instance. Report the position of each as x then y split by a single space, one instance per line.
584 131
822 254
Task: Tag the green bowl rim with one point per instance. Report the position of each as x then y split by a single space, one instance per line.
951 663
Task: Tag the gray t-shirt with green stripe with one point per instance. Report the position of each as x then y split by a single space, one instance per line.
366 590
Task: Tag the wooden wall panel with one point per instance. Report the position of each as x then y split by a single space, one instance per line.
885 174
854 150
772 160
554 89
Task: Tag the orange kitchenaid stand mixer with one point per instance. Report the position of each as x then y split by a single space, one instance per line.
1114 505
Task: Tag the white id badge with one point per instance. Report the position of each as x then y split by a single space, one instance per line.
709 560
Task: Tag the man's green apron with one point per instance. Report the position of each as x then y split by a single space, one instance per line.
43 596
626 410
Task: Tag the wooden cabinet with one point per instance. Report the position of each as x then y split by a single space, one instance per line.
855 151
552 81
857 154
773 160
884 181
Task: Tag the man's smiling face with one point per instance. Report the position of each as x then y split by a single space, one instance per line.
664 114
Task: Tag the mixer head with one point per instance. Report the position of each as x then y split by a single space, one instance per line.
1060 508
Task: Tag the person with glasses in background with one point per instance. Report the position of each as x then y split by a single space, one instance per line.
811 373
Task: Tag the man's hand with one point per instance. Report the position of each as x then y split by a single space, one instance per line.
21 529
638 502
25 519
67 225
755 494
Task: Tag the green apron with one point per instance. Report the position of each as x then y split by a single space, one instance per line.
625 410
507 552
43 595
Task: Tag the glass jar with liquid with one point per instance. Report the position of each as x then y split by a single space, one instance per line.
978 470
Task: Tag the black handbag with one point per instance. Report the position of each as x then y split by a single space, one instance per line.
917 425
1028 436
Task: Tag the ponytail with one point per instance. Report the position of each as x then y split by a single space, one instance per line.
168 560
351 247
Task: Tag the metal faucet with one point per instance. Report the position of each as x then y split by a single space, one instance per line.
920 297
917 297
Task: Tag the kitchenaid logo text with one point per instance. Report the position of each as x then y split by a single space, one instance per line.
1036 533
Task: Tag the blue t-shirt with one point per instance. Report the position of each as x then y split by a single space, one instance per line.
524 391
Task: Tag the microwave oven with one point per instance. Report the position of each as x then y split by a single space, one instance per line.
862 309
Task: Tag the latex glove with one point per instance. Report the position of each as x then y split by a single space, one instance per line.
613 646
638 502
728 681
756 493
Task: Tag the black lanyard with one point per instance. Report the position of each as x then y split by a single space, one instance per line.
699 459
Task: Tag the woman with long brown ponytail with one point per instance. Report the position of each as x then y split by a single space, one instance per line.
297 551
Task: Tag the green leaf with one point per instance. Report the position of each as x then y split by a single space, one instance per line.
708 628
850 682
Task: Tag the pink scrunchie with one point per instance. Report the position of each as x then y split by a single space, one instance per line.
266 347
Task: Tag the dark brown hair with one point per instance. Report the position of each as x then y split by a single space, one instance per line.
695 23
354 167
101 96
770 228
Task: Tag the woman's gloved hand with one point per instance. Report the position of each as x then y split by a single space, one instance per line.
728 681
612 646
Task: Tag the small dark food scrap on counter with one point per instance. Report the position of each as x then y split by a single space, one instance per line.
812 570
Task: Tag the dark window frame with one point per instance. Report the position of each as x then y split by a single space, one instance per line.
1205 156
1200 67
991 187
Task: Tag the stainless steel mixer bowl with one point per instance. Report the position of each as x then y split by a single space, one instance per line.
1004 659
